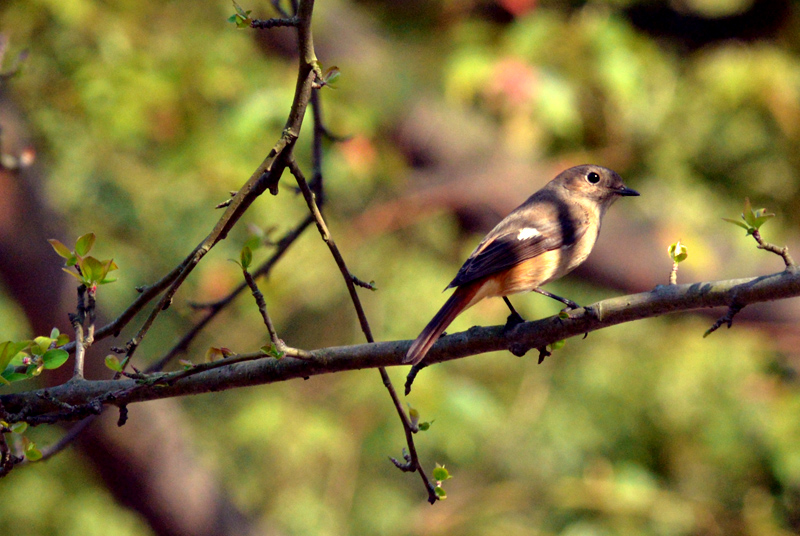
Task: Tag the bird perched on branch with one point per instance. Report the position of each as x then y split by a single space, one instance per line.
541 240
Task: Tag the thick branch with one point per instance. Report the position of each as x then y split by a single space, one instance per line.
37 405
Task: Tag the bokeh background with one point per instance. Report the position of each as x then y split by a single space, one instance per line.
144 115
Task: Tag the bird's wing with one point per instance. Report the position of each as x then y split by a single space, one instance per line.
512 242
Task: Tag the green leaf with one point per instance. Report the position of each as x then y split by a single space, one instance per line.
60 248
92 269
31 452
254 242
84 244
10 375
19 427
246 257
41 344
54 333
424 426
73 274
105 267
9 350
54 358
62 339
240 11
739 223
112 362
440 473
272 351
330 76
440 493
558 345
678 252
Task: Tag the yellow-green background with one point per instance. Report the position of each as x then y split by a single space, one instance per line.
147 113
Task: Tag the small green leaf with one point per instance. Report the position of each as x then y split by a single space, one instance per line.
678 252
240 11
558 345
440 473
112 362
246 257
272 351
73 274
440 493
12 376
254 242
413 415
330 76
563 315
9 350
19 427
31 452
62 339
92 269
84 244
424 426
739 223
60 248
54 358
41 344
54 333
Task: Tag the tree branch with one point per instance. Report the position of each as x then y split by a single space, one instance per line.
48 405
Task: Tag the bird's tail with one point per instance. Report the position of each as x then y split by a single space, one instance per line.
461 299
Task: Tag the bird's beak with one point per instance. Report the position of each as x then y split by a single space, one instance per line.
626 192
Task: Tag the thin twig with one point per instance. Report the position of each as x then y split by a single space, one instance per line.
262 308
727 318
772 248
413 461
215 308
673 274
273 23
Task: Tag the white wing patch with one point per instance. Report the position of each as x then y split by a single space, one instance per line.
527 232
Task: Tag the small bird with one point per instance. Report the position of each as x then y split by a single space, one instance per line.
541 240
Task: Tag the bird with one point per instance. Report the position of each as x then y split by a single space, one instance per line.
543 239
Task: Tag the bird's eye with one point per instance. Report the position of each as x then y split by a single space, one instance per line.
593 177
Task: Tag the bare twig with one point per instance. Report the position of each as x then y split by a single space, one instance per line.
772 248
273 23
215 308
413 462
262 308
727 318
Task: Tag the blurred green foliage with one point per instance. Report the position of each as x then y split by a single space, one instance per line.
147 113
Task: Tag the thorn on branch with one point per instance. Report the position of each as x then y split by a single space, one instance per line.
543 352
123 415
363 284
727 318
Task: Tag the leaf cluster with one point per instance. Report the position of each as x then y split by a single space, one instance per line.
89 271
